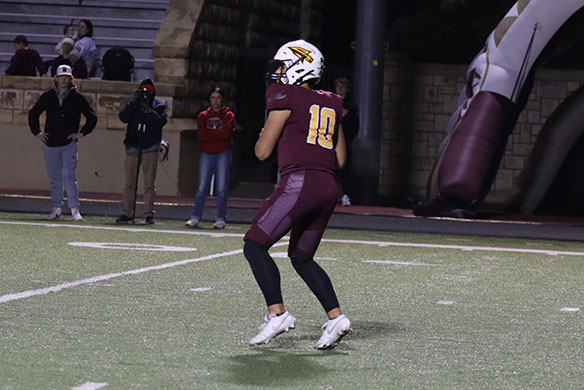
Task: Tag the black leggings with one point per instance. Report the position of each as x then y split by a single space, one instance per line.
267 276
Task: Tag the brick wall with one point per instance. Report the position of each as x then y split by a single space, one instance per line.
417 103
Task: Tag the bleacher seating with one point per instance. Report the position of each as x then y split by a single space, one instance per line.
132 24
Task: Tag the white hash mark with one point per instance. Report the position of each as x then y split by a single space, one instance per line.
90 386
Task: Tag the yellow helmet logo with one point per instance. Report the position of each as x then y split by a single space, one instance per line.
302 53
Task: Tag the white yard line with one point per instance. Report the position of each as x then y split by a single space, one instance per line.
132 247
194 232
458 247
375 243
62 286
398 263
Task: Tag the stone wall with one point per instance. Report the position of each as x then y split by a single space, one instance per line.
226 43
198 43
418 101
197 47
101 152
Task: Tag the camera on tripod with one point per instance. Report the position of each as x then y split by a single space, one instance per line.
142 99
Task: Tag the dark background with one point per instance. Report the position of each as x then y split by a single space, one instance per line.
437 31
442 31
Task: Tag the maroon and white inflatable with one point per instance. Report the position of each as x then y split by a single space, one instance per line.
489 106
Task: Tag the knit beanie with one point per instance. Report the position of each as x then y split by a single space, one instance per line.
148 85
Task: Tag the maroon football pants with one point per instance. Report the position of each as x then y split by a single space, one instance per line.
302 204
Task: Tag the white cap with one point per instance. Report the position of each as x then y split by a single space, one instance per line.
68 40
64 70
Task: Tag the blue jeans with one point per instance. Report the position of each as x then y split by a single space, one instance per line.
208 164
61 163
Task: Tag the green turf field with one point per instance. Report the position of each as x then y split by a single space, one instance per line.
93 305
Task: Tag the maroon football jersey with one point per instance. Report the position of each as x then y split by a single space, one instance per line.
310 135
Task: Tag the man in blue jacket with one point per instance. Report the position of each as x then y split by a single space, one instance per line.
145 116
63 105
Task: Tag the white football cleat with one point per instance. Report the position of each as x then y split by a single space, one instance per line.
273 325
56 213
333 331
75 214
192 222
219 224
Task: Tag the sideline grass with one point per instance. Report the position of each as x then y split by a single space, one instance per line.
423 318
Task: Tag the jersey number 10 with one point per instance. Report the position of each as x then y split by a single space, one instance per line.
322 126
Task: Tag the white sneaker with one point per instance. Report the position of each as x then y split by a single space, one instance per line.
333 331
345 200
75 214
273 325
192 222
56 213
219 224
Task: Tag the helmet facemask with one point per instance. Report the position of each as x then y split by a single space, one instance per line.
273 75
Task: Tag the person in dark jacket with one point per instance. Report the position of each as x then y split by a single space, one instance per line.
145 116
63 105
25 61
350 123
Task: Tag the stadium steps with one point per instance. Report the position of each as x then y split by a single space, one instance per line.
132 24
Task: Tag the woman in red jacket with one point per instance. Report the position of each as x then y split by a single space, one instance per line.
215 128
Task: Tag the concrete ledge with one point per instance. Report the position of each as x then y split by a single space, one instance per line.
101 152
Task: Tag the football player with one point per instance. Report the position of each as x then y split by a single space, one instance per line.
305 126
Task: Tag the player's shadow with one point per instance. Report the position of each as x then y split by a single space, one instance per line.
361 330
284 361
372 329
266 366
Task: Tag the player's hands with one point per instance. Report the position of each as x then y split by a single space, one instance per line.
44 137
75 136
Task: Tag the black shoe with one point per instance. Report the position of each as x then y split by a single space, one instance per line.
440 207
123 219
462 214
150 220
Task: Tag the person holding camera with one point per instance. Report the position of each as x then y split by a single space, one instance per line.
145 116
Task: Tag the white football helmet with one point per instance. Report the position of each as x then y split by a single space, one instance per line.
303 62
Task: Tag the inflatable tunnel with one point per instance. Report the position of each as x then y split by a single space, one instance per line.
499 80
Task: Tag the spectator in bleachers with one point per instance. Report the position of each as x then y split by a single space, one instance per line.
77 64
85 47
25 61
68 31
